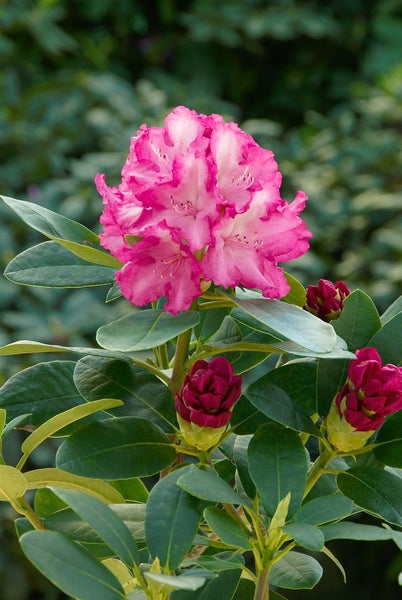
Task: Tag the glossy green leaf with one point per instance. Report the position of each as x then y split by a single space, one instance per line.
275 404
246 418
377 491
207 485
132 490
53 477
70 567
143 394
222 586
388 340
331 375
50 265
278 465
226 528
359 320
291 322
171 521
389 440
298 379
222 561
394 309
32 347
306 535
297 292
173 582
119 448
105 522
89 254
43 390
144 329
50 223
347 530
296 571
13 483
324 509
241 459
60 421
209 323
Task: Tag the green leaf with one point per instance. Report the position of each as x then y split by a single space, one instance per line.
298 380
278 465
355 531
306 535
207 485
297 293
331 375
43 390
292 322
172 582
144 329
13 483
222 561
50 265
60 421
389 440
50 223
388 341
171 521
118 448
359 320
222 586
105 522
32 347
324 509
246 418
394 309
143 394
226 528
241 460
275 404
209 323
377 491
89 254
296 571
70 567
53 477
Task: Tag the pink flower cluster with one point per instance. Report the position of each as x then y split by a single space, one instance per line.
199 202
371 392
325 300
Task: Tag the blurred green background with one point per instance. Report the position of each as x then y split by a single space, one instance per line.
318 82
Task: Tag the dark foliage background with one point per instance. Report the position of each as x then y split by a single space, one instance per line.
320 83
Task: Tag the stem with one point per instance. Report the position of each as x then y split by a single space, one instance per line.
262 587
181 354
230 509
318 468
22 506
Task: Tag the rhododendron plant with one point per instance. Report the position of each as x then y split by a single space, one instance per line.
209 446
199 199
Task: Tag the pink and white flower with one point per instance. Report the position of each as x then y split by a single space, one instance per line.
199 199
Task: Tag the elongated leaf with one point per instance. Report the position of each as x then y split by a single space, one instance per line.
292 322
119 448
70 567
240 456
207 485
173 582
105 522
89 254
394 309
171 521
43 390
377 491
13 483
278 465
50 265
53 477
144 329
297 293
60 421
298 380
50 223
306 535
389 440
359 320
226 528
222 586
355 531
388 340
296 571
274 403
324 509
143 394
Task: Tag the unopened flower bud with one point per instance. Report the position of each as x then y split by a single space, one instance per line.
205 402
371 393
325 300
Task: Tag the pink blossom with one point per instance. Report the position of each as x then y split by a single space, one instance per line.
204 192
325 300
